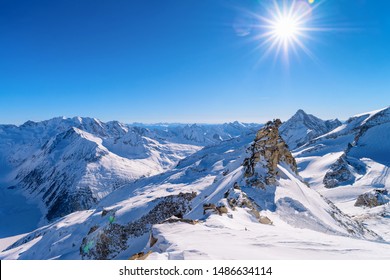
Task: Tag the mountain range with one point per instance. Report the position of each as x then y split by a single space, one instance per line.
79 188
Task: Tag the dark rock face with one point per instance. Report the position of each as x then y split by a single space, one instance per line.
268 149
340 173
57 193
237 198
344 170
66 203
108 242
373 198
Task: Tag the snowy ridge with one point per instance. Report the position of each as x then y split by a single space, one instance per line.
302 127
349 161
207 196
201 134
69 164
243 196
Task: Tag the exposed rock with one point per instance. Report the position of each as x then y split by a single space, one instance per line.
265 220
109 241
268 150
222 209
140 256
176 220
92 229
104 212
232 203
153 240
340 173
179 215
237 198
373 198
209 207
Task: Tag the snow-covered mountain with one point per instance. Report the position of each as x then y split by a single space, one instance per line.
237 199
201 134
351 163
302 127
69 164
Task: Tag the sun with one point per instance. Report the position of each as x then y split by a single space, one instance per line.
285 27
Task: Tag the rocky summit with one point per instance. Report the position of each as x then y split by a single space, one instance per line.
268 150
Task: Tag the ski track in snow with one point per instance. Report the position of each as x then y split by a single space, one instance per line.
380 181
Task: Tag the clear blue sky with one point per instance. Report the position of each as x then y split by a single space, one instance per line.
183 61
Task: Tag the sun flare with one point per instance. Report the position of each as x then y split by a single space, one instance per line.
285 27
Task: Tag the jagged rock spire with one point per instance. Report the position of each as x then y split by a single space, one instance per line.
268 150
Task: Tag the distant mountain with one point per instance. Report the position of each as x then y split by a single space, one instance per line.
230 191
351 161
201 134
365 136
224 201
69 164
302 127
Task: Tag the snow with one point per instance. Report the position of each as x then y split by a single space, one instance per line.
313 168
373 144
133 168
370 114
17 214
8 241
223 238
303 127
81 156
18 253
365 141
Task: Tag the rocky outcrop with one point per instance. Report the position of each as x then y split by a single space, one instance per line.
373 198
212 209
109 241
181 220
265 220
237 198
268 150
370 136
339 173
140 256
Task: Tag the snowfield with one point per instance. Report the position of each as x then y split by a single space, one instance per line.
177 192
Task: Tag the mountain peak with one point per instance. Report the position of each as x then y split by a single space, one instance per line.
303 127
302 115
268 150
300 112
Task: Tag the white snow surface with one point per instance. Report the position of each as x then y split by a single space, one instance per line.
223 238
364 140
170 161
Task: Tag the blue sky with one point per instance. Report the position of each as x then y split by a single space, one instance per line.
183 61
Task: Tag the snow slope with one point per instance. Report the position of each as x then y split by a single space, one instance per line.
302 127
363 136
349 161
210 207
220 237
200 134
64 165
